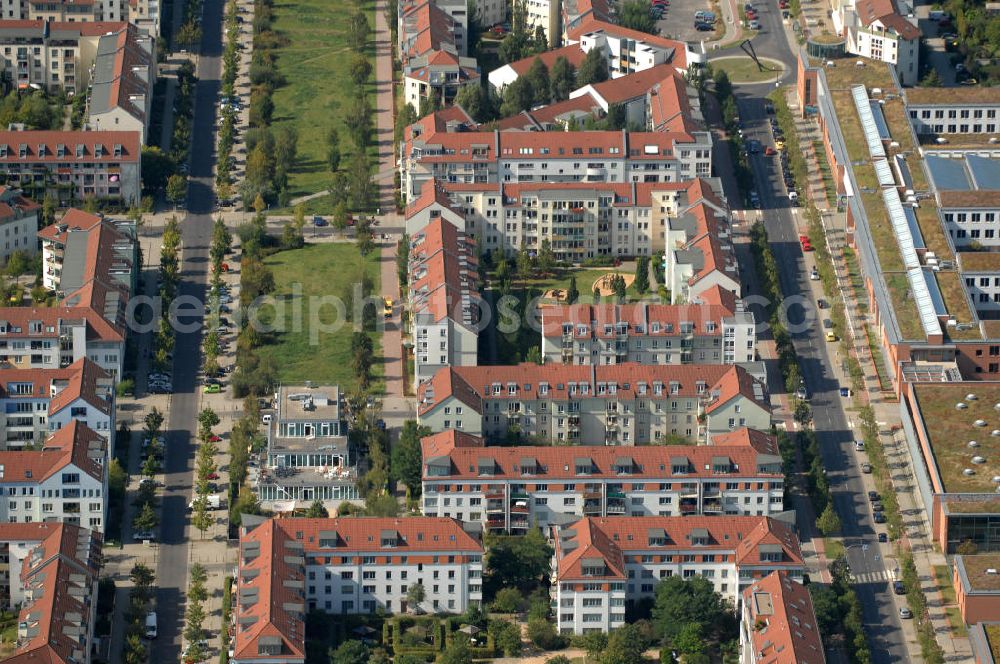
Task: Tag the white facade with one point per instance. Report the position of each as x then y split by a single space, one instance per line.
942 117
19 226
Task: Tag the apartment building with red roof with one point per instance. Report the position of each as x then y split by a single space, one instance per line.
56 337
630 50
778 623
714 328
82 248
76 164
622 404
37 402
59 581
506 74
65 480
444 301
439 75
603 564
511 489
121 87
427 26
344 565
699 249
18 541
877 29
18 222
518 157
579 220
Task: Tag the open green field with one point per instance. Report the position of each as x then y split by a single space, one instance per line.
308 353
315 65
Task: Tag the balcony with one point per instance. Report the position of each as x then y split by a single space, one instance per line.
592 506
519 523
713 506
494 494
689 508
494 506
616 506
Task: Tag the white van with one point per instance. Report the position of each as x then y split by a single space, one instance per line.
151 625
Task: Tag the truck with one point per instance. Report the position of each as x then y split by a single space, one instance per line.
214 502
151 625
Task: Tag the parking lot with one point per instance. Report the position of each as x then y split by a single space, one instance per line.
678 20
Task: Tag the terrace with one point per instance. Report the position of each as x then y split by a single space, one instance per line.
950 429
980 261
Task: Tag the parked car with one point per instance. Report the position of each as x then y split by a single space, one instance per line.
213 389
905 612
879 517
319 221
769 151
897 586
814 275
859 446
866 468
883 538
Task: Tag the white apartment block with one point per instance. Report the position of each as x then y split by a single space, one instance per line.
83 249
18 224
714 329
579 220
513 157
876 29
56 337
440 75
622 404
699 251
365 564
443 299
512 489
629 51
37 402
601 565
778 623
64 481
964 110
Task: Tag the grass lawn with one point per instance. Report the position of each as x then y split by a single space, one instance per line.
315 64
832 548
321 270
585 278
744 70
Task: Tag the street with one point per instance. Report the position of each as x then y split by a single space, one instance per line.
178 464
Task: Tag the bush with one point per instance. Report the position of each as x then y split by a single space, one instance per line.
508 600
543 634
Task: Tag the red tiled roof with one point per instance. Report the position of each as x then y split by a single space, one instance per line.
51 140
541 119
361 534
430 194
74 219
97 327
737 536
69 445
471 385
14 205
84 382
637 84
555 463
573 54
129 56
885 12
669 105
788 633
426 28
279 608
57 575
591 320
442 272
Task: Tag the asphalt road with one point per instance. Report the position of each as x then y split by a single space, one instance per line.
196 232
816 364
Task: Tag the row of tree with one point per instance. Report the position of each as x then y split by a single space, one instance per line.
140 599
146 517
205 470
194 629
170 268
255 374
190 30
227 129
220 246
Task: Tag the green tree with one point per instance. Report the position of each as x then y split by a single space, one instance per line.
543 634
641 282
415 595
478 101
333 149
405 463
507 600
381 504
572 293
202 518
361 69
635 14
518 96
618 284
593 69
689 639
561 79
538 77
522 562
142 578
828 522
358 30
682 601
246 503
17 264
146 520
625 646
207 419
534 355
176 188
456 653
135 650
507 637
350 651
593 643
317 510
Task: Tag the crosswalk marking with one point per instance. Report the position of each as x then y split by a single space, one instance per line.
872 577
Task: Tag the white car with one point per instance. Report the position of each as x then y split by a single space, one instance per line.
814 275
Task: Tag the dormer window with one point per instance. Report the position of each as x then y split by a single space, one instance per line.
60 150
543 388
118 150
675 387
680 465
701 386
699 537
771 553
583 465
98 150
42 150
22 151
79 151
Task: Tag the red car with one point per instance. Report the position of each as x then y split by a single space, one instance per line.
213 476
806 244
783 4
769 151
215 439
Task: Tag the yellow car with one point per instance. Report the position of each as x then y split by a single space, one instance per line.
830 336
780 145
387 309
